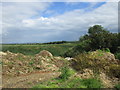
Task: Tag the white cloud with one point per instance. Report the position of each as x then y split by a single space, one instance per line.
59 0
77 19
68 26
15 13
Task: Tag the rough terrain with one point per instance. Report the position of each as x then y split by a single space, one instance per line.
28 80
20 71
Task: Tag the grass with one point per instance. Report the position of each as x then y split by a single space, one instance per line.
71 83
66 73
55 49
66 81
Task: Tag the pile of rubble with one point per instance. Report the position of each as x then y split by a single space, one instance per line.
15 64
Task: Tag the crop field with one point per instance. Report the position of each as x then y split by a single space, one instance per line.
55 49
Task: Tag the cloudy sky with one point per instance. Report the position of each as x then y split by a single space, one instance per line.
24 22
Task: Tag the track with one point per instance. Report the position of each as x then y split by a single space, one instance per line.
28 80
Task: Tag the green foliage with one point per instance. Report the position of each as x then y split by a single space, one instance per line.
71 83
117 86
66 73
57 42
46 86
96 29
91 83
90 60
55 49
97 38
83 46
117 56
31 62
107 50
100 38
97 62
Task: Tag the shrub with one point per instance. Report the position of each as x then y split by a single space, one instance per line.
88 60
73 83
117 56
80 48
117 86
66 73
106 50
81 83
96 61
91 83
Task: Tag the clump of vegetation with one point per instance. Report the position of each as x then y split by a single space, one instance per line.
55 49
66 81
80 48
66 73
117 86
91 83
96 38
71 83
117 56
98 61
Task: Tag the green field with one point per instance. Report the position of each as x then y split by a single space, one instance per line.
26 49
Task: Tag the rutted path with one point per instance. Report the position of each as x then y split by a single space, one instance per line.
28 80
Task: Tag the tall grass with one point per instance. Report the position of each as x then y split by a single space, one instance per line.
55 49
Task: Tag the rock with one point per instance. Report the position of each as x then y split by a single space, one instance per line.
88 73
102 56
2 53
45 53
105 80
20 63
20 72
38 67
68 58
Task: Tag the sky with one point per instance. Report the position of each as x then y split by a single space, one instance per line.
39 22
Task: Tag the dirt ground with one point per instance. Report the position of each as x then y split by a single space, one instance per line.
28 80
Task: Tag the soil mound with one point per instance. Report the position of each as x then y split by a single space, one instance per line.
16 64
44 53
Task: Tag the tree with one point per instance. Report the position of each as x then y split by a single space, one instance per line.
100 38
96 29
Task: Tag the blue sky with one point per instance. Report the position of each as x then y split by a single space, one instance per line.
58 8
54 21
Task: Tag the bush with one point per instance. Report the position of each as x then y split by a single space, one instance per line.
117 56
90 60
82 83
66 73
106 50
117 86
80 48
96 61
71 83
91 83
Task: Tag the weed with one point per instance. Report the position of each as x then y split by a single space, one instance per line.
66 73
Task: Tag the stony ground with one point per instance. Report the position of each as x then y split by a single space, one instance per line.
28 80
26 71
22 71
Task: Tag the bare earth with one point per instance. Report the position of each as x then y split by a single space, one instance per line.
28 80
